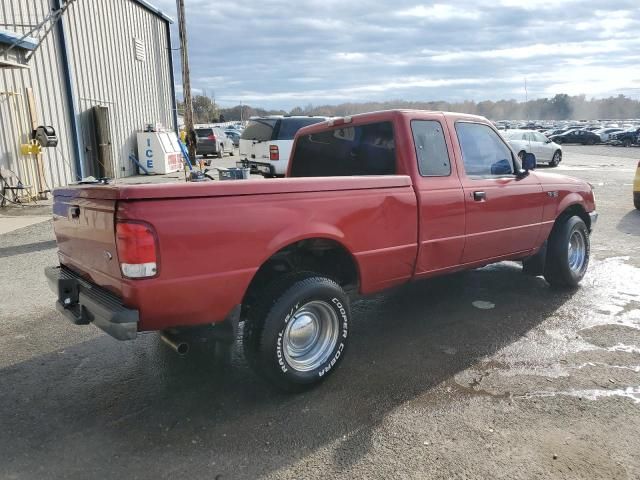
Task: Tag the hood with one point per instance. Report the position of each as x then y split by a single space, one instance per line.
559 179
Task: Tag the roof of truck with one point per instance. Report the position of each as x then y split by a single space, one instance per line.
385 115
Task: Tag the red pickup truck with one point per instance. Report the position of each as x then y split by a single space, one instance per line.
371 201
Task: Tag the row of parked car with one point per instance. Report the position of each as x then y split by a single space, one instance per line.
625 134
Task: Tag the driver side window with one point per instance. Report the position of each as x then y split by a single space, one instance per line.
484 154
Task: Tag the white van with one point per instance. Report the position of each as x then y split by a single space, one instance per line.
265 145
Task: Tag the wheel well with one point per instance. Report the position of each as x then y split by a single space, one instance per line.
320 255
572 210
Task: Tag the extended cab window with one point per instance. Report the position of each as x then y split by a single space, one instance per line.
343 151
431 148
483 152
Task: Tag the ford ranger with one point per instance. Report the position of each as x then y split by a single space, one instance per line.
370 202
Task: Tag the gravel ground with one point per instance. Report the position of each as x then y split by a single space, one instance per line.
542 385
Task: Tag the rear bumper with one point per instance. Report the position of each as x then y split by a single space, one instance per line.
207 149
83 302
257 167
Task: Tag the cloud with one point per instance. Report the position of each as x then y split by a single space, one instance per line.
279 54
439 12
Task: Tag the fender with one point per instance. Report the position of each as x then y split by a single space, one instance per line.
569 200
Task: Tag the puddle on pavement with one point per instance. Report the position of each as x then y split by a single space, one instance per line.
580 344
632 393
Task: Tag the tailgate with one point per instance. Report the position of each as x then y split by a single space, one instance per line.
254 150
85 232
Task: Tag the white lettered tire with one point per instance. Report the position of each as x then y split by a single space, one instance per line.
298 331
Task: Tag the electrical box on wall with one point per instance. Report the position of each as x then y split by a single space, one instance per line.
46 136
159 152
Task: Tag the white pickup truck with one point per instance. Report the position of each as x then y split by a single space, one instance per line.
265 145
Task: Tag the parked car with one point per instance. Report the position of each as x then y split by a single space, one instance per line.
265 145
527 141
375 201
234 135
636 188
556 131
605 133
626 138
576 136
212 141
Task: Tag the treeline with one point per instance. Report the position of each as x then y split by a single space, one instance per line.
559 107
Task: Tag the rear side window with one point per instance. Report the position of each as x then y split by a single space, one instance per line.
483 152
361 150
260 129
204 132
290 126
431 148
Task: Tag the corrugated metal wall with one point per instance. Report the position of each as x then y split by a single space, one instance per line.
101 38
102 50
45 78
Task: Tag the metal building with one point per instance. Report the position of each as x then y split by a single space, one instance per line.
102 74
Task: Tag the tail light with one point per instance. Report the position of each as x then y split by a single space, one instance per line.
212 137
274 153
137 251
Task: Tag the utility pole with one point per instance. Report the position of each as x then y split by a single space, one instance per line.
186 81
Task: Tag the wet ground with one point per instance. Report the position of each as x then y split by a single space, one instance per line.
486 374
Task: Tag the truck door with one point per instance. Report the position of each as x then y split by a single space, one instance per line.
440 198
503 211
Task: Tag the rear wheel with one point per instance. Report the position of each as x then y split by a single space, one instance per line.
568 252
521 154
636 200
557 158
296 333
221 151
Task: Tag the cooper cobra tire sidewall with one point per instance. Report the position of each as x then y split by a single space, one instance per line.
273 359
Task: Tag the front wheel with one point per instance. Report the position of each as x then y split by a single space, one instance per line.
557 158
568 253
297 331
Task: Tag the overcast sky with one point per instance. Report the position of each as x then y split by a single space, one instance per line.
284 53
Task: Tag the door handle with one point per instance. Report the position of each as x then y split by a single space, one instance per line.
74 212
479 196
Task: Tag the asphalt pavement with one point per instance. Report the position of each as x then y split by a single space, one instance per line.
485 374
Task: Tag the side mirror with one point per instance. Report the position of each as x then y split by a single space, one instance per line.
548 140
529 161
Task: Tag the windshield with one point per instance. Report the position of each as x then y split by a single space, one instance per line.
260 129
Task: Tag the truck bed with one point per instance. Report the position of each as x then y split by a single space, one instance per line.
214 236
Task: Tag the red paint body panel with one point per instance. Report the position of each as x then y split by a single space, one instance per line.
212 237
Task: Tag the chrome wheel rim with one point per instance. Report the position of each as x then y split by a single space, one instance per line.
310 336
577 251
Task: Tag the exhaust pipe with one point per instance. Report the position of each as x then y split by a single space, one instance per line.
177 344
